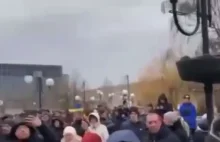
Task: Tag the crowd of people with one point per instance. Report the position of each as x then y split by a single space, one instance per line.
160 123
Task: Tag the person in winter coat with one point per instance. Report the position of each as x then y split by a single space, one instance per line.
46 119
157 131
97 127
58 126
134 124
105 120
173 120
81 125
29 130
5 129
91 137
69 135
143 114
188 111
202 131
163 105
118 118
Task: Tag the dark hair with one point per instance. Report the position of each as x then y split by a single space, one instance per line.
134 109
156 111
186 97
150 105
93 117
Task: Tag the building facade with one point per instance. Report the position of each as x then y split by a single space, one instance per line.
16 93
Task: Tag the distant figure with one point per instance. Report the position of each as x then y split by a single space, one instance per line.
188 112
150 107
163 105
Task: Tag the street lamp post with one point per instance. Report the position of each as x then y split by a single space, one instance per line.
132 96
78 99
92 101
110 96
124 96
92 98
39 80
206 68
49 82
100 93
2 106
84 92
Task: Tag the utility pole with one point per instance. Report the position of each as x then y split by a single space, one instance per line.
128 87
205 68
208 85
84 93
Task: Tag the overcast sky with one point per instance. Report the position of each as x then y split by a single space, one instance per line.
98 38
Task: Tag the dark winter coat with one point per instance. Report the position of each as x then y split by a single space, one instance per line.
164 135
179 131
40 134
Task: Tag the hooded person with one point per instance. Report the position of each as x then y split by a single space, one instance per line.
58 126
81 126
70 135
163 105
97 127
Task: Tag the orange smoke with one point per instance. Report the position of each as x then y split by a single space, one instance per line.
160 76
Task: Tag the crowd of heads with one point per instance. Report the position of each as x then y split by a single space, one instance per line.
145 124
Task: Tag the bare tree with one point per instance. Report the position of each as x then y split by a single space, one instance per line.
107 87
75 85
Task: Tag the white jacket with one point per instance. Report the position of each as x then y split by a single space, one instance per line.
100 129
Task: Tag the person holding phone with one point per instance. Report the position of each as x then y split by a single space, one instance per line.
29 130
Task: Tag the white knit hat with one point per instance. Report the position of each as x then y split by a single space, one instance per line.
172 116
204 116
69 130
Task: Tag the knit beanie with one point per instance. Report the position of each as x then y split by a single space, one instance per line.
172 116
69 130
91 137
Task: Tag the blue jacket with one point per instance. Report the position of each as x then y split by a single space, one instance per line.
188 112
138 128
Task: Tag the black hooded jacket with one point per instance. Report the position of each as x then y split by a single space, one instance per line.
164 135
79 130
58 130
39 134
164 107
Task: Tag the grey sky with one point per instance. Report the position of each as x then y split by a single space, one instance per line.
99 38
